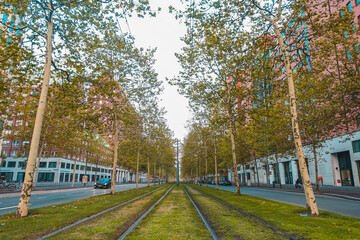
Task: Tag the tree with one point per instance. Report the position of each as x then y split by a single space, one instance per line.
213 61
274 20
47 20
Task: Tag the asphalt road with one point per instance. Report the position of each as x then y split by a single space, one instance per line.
9 201
327 203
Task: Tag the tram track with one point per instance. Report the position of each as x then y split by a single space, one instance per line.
274 229
144 214
204 219
99 214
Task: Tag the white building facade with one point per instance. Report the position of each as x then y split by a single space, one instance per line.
338 165
59 170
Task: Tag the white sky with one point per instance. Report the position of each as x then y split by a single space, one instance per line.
164 32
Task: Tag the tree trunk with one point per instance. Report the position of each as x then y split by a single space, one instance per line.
159 174
278 169
197 171
257 172
231 130
116 142
74 168
154 172
309 193
23 207
316 166
199 163
216 170
148 170
37 166
244 175
96 170
137 168
206 165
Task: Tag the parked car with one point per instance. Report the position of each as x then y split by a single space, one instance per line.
103 183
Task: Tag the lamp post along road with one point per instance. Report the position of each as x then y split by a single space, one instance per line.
177 162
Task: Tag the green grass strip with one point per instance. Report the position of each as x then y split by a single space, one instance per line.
230 224
287 217
110 225
173 218
42 221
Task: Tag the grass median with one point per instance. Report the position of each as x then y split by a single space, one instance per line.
287 217
42 221
230 224
112 224
174 218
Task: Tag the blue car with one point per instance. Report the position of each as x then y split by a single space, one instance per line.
103 183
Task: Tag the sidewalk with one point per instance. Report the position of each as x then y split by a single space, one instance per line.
53 186
346 192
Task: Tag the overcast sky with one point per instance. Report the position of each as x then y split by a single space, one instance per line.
164 32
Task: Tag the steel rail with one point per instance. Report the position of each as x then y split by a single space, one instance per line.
202 216
98 214
144 215
246 214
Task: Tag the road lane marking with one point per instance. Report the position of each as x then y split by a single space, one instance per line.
8 207
11 207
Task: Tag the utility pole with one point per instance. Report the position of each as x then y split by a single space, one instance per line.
177 163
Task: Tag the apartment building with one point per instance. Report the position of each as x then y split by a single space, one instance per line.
339 156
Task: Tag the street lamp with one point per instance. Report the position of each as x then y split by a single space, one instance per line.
177 162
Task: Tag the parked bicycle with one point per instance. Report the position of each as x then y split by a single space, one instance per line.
10 186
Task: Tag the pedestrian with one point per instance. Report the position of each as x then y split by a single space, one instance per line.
298 183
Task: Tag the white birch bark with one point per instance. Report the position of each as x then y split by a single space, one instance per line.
231 130
116 143
23 207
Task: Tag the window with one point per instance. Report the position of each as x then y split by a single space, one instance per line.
356 146
68 165
46 177
62 165
82 168
349 6
13 153
52 164
15 143
5 153
42 164
6 143
11 164
25 143
21 164
7 132
3 163
77 167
